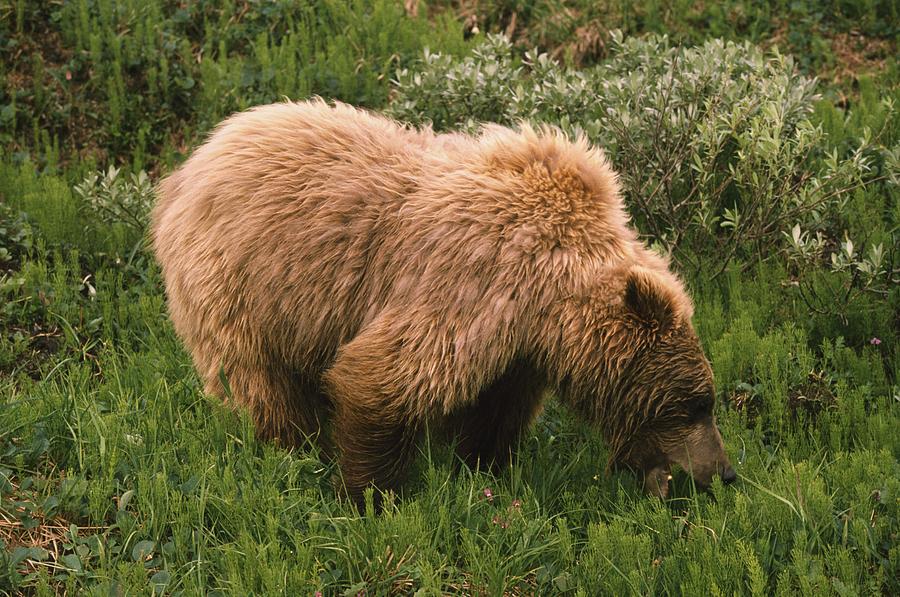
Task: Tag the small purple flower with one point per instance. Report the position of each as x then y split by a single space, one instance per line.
875 341
489 494
517 504
318 594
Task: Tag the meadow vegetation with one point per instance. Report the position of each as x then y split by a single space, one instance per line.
775 193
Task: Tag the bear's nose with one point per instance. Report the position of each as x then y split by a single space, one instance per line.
729 476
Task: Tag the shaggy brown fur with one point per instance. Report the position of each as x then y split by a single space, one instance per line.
335 265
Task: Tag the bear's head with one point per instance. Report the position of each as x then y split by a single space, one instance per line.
659 404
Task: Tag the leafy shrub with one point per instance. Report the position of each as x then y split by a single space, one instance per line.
116 198
839 288
16 237
714 144
854 271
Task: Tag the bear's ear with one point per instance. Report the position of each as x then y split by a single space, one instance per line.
649 299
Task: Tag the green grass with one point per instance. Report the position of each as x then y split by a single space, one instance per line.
118 475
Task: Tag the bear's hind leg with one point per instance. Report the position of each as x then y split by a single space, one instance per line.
486 431
284 409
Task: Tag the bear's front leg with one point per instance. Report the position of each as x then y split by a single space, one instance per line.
375 444
404 369
374 427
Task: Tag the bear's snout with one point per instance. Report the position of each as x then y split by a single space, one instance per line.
729 475
701 453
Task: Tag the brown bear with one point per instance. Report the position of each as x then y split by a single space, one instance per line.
335 266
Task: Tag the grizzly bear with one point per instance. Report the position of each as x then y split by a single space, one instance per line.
327 266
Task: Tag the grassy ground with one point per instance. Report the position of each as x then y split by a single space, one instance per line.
118 476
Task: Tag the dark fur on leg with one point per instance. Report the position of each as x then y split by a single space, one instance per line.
488 430
373 452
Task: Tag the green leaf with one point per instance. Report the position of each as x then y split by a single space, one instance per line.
160 580
126 497
141 550
72 562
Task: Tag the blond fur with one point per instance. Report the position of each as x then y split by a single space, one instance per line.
336 265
